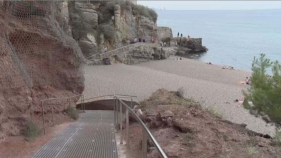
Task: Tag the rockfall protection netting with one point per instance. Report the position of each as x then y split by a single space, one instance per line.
31 45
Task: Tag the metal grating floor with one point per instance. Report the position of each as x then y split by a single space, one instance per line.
92 136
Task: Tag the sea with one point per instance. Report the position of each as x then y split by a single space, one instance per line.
233 37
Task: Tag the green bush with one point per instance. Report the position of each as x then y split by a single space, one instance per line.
31 130
180 92
107 30
73 113
125 5
265 90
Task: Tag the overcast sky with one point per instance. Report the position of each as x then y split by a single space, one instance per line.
212 5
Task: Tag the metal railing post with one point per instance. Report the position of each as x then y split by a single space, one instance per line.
114 108
127 127
81 107
43 117
53 115
121 124
69 105
117 112
83 103
144 144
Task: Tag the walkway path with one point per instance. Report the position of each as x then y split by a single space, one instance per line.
117 51
92 136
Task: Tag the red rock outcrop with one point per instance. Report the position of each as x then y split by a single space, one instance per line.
37 61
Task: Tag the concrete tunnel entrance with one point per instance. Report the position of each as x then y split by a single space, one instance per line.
105 104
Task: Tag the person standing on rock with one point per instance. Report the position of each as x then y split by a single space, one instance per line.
178 34
181 34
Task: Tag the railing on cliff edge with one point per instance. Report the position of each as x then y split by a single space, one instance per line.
118 106
116 51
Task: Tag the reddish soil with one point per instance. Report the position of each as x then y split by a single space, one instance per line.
184 129
18 147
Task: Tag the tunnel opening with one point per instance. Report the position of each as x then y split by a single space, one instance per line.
105 104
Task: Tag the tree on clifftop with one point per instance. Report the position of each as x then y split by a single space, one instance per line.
265 90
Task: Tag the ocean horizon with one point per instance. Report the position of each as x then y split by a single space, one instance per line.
233 37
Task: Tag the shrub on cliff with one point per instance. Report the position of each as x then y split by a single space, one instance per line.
146 12
73 113
265 90
31 130
107 30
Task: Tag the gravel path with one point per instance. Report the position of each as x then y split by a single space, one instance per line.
209 84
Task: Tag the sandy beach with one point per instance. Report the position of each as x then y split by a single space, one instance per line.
208 84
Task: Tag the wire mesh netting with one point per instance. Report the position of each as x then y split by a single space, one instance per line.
36 33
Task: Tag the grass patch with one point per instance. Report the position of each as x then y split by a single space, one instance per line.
73 113
31 130
214 111
277 138
252 151
225 137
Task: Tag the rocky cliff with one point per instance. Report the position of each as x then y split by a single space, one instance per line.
190 45
98 25
38 61
42 48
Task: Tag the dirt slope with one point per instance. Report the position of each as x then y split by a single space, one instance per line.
184 129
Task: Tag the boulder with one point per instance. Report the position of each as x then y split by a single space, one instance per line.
182 125
164 32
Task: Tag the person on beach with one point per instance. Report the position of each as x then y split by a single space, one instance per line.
181 34
209 63
128 42
178 34
247 81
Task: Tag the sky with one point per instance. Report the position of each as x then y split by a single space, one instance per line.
212 5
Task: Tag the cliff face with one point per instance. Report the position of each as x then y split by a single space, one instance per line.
97 25
43 45
38 61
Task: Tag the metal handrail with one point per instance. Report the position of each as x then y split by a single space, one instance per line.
61 98
159 149
146 131
50 99
119 95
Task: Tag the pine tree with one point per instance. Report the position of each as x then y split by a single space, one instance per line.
265 90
